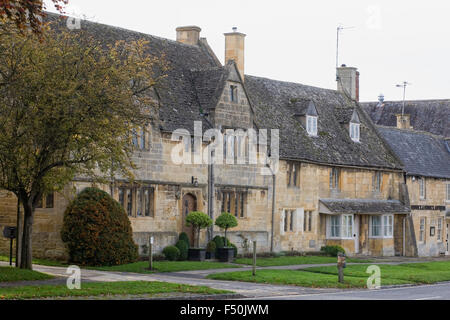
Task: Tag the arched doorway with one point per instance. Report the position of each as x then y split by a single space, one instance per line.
189 205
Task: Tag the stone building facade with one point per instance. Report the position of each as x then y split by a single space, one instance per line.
337 180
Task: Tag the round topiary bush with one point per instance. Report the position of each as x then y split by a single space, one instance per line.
225 221
171 253
97 230
184 248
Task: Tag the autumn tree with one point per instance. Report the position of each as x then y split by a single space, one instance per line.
68 106
27 13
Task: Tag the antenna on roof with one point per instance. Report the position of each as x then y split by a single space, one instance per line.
403 85
339 28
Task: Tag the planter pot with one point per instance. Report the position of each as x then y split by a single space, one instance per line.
196 254
225 254
210 255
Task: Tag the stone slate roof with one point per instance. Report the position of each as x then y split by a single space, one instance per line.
426 115
271 100
193 84
180 105
422 153
364 206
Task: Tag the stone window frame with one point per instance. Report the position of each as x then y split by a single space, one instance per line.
234 202
128 198
439 228
422 188
386 223
377 181
289 220
141 140
234 93
44 202
293 174
344 230
422 229
307 221
311 125
335 178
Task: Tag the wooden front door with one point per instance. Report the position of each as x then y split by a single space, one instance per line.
189 205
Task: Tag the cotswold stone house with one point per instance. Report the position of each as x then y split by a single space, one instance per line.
338 181
420 138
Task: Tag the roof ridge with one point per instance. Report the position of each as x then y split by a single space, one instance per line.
401 101
412 130
290 82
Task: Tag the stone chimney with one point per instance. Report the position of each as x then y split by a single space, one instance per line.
348 81
188 34
403 121
234 49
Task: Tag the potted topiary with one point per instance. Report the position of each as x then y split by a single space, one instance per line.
198 220
211 250
226 221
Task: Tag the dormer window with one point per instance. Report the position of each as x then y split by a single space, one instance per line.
354 131
354 126
311 125
233 93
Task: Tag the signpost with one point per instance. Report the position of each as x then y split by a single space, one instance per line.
10 233
150 254
254 258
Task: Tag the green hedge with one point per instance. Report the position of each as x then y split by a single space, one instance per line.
332 250
97 230
171 253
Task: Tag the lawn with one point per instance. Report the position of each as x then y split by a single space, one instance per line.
293 260
107 289
355 275
8 274
166 266
427 272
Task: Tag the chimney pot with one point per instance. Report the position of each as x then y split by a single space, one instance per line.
188 34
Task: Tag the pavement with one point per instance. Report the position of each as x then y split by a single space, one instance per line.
262 291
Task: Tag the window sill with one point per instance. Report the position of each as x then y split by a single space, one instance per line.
381 237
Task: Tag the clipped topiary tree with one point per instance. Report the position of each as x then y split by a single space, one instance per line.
183 236
97 230
198 220
183 247
225 221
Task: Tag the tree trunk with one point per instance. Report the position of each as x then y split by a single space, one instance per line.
26 250
226 242
198 237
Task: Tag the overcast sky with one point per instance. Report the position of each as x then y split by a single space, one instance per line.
391 41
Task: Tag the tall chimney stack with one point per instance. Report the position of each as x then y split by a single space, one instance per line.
348 81
234 49
188 34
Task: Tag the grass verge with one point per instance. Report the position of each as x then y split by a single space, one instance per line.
166 266
93 289
10 274
293 260
355 275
